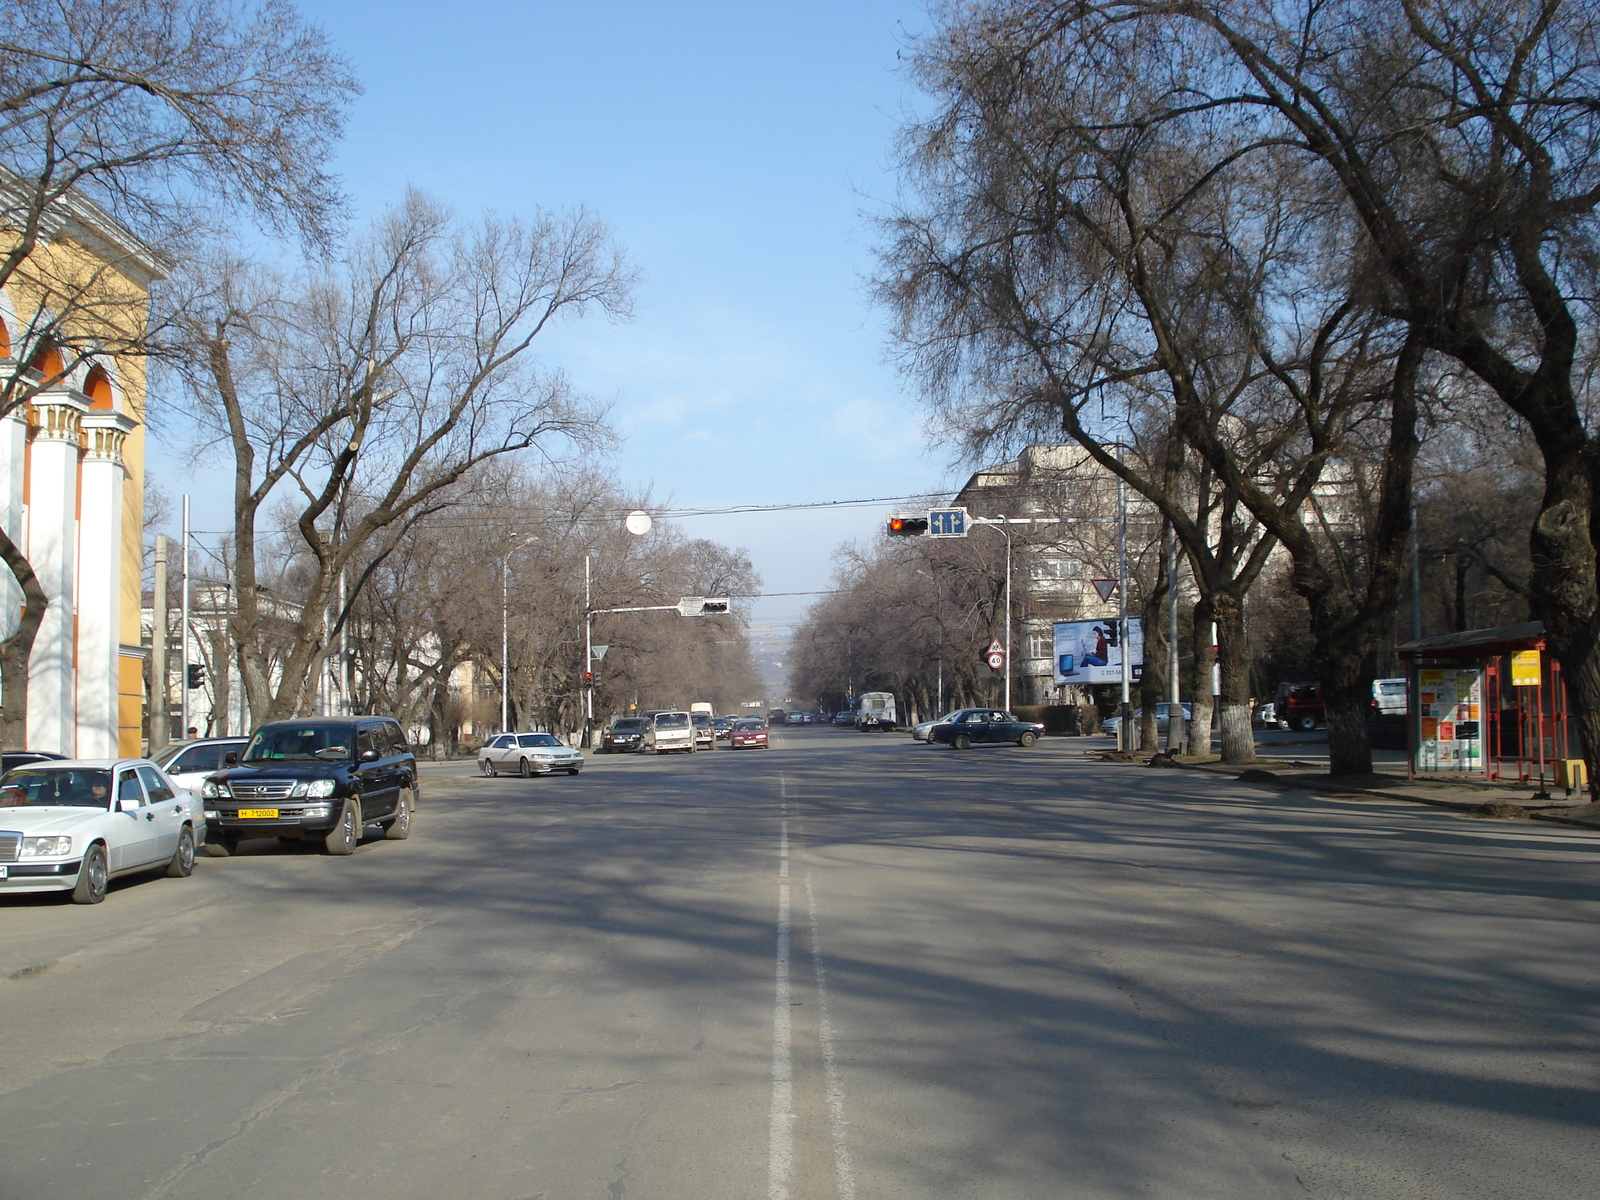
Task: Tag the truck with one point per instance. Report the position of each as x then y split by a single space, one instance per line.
876 712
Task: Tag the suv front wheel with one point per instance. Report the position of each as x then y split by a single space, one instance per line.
342 838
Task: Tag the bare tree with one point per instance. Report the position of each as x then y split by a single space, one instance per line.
150 120
1461 140
366 393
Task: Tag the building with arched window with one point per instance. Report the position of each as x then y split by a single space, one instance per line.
72 475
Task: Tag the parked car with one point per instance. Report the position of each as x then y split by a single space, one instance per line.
919 732
1163 717
749 732
318 779
846 719
73 825
625 735
21 758
528 754
974 726
1389 697
190 762
668 733
705 737
1267 716
1299 705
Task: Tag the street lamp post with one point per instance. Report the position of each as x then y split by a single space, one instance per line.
505 641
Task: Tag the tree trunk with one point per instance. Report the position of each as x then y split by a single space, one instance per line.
1204 658
1153 682
1346 701
17 650
1233 653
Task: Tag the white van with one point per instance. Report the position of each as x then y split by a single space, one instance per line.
1390 696
669 731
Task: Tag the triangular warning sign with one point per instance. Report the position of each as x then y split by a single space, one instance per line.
995 647
1106 587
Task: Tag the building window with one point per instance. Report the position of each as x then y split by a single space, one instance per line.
1041 645
1054 567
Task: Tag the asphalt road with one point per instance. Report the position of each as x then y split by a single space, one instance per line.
849 966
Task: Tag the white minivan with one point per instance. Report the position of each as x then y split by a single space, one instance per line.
670 731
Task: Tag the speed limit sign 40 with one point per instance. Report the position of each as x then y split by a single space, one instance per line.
996 659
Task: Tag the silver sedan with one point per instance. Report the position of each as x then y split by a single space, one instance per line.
528 754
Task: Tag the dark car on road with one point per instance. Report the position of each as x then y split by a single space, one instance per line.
976 726
623 736
318 779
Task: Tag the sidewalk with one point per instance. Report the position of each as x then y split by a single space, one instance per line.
1300 761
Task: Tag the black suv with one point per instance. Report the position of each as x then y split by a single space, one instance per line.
624 735
321 778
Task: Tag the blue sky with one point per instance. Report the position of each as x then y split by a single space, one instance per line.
736 150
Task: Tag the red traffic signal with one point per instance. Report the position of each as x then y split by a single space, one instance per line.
908 525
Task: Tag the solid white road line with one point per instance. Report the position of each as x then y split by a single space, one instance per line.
780 1131
838 1127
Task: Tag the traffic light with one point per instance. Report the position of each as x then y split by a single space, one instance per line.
588 679
908 525
197 675
713 607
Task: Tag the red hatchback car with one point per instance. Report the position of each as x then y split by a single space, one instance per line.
749 732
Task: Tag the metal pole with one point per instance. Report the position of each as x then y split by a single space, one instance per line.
588 648
160 695
1125 734
1177 726
1416 582
1007 704
183 680
505 643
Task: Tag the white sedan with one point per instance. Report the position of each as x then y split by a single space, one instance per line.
528 754
73 825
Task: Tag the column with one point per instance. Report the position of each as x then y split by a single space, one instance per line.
100 564
52 549
13 454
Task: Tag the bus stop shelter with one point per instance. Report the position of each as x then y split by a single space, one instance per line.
1490 703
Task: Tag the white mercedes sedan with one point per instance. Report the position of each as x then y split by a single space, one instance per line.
528 754
73 825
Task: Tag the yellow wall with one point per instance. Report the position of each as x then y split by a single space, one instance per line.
114 316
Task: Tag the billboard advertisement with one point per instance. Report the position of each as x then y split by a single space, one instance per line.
1088 651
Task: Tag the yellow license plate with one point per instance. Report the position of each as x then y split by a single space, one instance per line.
267 814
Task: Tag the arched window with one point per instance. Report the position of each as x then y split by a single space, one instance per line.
47 361
98 388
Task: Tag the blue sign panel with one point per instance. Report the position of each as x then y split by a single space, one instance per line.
947 522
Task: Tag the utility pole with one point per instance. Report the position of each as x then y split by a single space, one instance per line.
183 677
160 696
588 651
1125 735
1177 727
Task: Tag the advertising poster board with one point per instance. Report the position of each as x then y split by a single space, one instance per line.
1450 719
1087 651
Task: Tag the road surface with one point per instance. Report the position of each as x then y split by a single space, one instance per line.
849 966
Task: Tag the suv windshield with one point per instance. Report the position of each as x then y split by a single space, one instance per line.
73 786
305 742
627 725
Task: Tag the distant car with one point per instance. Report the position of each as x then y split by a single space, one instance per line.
777 717
722 727
72 825
190 762
975 726
846 718
1267 716
528 754
625 735
748 732
919 732
1112 724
